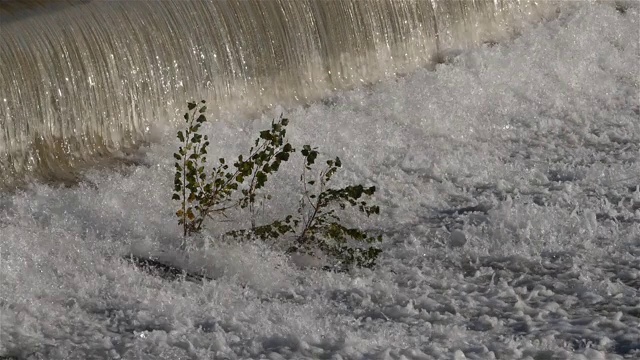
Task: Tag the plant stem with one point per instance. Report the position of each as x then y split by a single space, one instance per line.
184 186
315 207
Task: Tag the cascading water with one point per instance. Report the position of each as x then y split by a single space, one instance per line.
91 78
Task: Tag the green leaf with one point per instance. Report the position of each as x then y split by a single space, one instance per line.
191 105
266 135
311 157
283 156
261 178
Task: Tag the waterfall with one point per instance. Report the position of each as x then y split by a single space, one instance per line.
80 80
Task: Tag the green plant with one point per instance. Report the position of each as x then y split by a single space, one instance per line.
322 225
203 194
196 199
317 225
268 152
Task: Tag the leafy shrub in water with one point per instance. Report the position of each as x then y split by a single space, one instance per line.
204 194
209 194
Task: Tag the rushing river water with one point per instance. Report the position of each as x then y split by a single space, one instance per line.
507 175
82 80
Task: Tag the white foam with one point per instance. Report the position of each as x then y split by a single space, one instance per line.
539 135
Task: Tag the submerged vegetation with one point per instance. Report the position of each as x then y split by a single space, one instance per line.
207 192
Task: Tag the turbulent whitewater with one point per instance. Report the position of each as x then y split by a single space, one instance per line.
509 183
84 79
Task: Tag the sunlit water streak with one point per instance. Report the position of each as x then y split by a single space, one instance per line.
92 78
